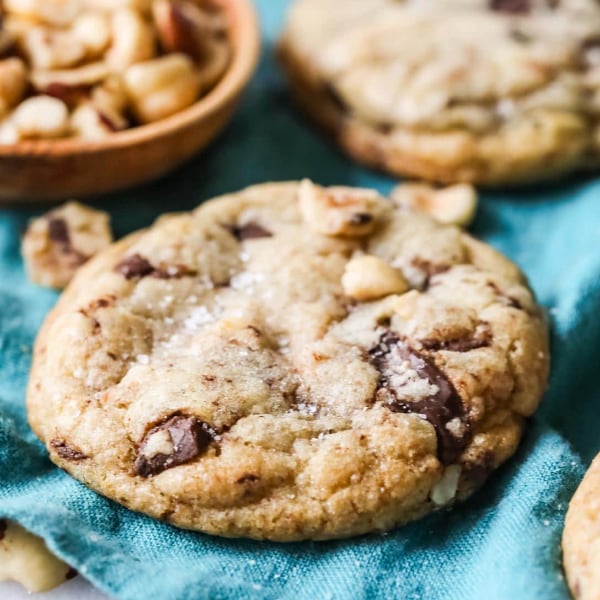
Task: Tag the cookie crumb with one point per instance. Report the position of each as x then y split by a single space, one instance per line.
55 245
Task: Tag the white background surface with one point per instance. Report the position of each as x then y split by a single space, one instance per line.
75 589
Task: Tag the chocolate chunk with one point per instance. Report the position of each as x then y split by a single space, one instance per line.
249 231
481 338
519 36
361 219
173 272
248 478
513 303
101 303
334 97
477 472
591 43
508 300
71 573
58 232
189 436
385 321
134 267
514 7
66 451
430 269
3 526
384 128
443 409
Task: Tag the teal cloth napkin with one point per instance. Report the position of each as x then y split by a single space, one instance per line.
503 543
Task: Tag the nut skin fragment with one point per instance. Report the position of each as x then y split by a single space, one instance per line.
340 211
452 205
90 123
162 87
370 278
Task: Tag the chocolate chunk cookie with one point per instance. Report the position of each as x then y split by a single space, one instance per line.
581 538
290 362
485 91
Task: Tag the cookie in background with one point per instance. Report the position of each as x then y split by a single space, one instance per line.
581 537
490 92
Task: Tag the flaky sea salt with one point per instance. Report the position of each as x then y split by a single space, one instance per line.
199 316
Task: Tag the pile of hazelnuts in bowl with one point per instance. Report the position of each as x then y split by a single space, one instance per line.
88 68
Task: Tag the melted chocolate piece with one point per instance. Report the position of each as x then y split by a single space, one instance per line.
515 7
249 231
58 232
3 526
66 451
134 267
189 436
481 338
442 408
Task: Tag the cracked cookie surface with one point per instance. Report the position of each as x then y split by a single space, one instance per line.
488 91
581 538
226 370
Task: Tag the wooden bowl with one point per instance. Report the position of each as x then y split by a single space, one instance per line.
57 169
